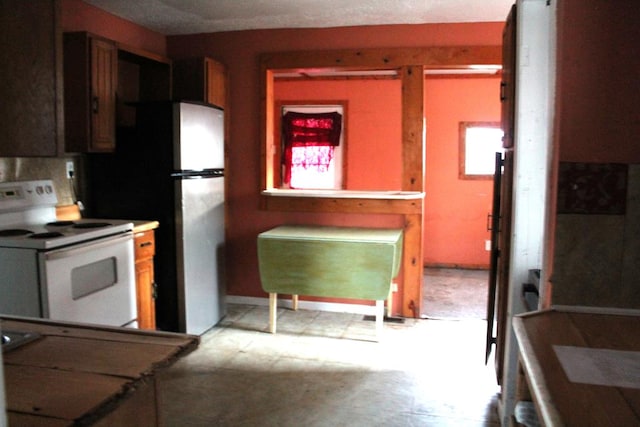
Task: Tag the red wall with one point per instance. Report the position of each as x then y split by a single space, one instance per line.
598 86
372 123
456 210
80 16
240 52
455 227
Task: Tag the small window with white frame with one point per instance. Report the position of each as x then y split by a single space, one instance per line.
312 146
478 143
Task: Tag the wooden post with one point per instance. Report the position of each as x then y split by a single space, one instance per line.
413 153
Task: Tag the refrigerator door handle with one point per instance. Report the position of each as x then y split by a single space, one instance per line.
191 174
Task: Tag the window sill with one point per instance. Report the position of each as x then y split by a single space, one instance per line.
345 194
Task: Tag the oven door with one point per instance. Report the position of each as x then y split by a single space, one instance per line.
92 282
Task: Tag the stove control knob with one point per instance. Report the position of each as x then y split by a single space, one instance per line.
48 189
39 189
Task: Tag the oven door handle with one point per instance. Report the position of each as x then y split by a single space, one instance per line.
88 246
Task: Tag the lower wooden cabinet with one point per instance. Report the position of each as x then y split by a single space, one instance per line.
145 283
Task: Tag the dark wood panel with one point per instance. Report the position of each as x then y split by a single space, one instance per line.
30 64
503 263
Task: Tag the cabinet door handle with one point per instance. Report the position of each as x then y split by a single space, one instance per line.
94 104
154 290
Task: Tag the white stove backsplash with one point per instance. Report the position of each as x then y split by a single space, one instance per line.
34 168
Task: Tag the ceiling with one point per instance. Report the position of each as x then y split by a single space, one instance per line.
174 17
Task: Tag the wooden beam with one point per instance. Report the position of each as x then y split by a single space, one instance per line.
385 58
413 153
267 148
411 303
412 128
341 205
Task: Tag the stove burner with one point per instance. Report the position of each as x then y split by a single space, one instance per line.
60 223
12 232
91 225
46 235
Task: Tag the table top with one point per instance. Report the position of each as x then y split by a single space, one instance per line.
333 262
314 232
582 364
73 371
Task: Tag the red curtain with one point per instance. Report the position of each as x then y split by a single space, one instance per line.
318 132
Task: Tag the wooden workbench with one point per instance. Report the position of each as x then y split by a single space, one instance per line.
334 262
76 374
572 364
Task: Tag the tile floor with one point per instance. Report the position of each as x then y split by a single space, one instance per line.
455 293
325 369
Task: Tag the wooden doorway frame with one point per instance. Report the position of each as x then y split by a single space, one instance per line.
410 64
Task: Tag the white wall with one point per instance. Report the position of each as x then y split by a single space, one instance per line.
535 82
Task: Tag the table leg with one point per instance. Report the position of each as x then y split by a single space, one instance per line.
273 311
379 318
294 301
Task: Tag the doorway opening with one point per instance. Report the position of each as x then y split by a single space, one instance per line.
455 293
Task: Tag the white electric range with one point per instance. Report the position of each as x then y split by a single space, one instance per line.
79 271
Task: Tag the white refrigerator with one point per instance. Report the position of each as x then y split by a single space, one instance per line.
198 173
170 168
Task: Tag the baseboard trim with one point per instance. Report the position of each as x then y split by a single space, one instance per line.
334 307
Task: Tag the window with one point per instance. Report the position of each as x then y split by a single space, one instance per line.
312 147
479 141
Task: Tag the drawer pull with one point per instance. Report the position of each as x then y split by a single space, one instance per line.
144 244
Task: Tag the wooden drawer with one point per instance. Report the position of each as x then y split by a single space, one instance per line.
145 246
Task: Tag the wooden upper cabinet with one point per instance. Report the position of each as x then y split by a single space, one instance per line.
90 80
31 114
200 79
104 73
216 83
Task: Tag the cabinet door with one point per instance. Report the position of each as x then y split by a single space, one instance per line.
215 83
145 282
90 79
31 115
104 71
145 290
